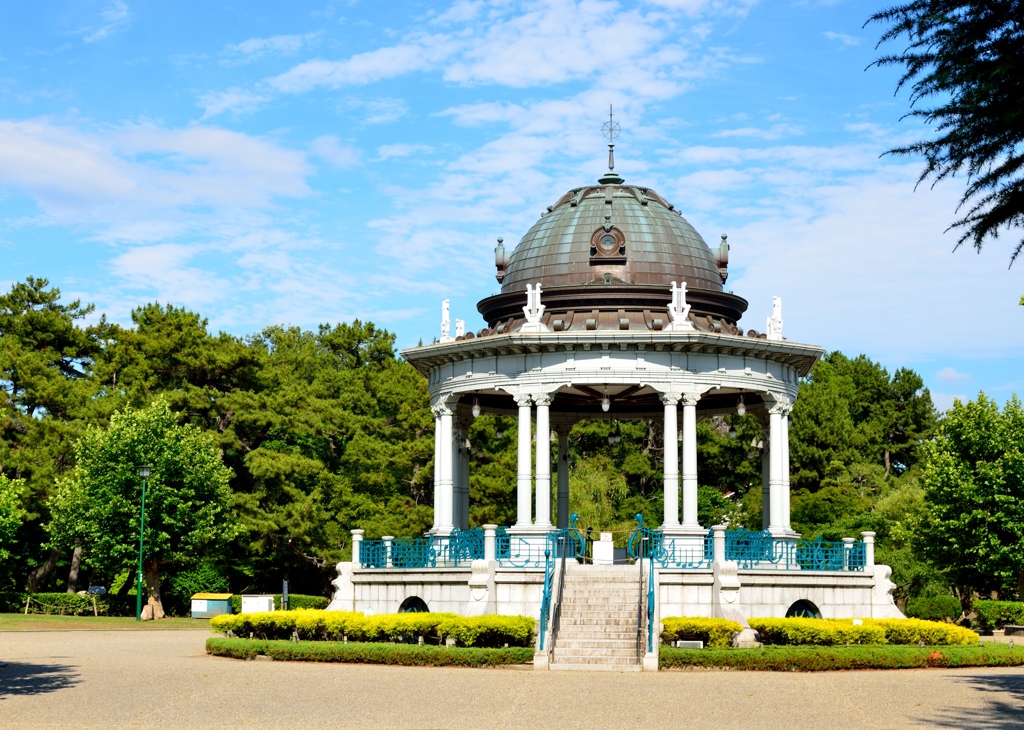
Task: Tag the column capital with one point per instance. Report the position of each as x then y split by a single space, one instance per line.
782 405
442 409
543 399
689 399
670 399
523 400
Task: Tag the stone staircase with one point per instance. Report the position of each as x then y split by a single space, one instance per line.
598 624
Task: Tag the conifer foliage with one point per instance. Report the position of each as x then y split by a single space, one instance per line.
964 64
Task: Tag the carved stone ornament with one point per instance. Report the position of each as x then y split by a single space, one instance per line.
679 310
607 245
773 326
533 310
689 399
783 406
523 400
446 323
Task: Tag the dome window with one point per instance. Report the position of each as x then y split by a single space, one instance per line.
607 246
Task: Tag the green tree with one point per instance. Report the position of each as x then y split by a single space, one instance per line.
187 518
966 59
974 486
11 513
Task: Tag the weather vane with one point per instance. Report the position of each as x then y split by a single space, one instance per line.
610 130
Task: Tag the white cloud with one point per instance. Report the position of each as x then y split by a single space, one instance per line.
383 111
389 151
113 17
776 131
279 45
844 40
950 375
145 176
235 100
330 149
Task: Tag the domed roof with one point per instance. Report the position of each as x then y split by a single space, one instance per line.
629 232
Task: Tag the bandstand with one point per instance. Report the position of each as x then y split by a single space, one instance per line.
612 307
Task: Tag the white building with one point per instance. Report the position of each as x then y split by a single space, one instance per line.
612 306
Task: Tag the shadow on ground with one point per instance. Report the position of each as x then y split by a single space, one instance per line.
18 678
1002 709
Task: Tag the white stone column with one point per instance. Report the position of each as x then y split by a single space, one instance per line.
562 518
690 461
524 469
543 477
446 482
785 470
766 471
457 441
460 452
490 547
671 474
437 469
869 548
775 524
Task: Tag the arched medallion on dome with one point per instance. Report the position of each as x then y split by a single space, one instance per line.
607 246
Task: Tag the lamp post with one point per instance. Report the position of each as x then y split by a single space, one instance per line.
143 470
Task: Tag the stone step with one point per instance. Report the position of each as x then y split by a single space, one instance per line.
597 633
602 595
597 602
576 609
622 661
582 656
601 643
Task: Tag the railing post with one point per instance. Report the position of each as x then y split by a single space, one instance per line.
719 543
490 550
387 549
357 547
869 548
847 552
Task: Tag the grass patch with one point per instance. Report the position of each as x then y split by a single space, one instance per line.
39 622
830 658
409 655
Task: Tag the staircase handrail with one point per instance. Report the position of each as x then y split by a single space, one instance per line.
640 617
556 614
545 602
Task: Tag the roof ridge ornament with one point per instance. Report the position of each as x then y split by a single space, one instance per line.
679 310
773 325
446 323
610 130
533 310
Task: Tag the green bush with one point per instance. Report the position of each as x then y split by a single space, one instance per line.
295 602
935 608
825 658
932 633
714 632
835 632
435 628
994 615
65 604
369 653
816 632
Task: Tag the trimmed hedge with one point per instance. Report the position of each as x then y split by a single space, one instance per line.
815 632
935 608
67 604
994 615
835 632
714 632
822 658
295 602
368 653
435 628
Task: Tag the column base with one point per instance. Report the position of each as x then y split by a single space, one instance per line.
527 530
683 530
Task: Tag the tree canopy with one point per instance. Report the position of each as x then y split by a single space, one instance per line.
964 63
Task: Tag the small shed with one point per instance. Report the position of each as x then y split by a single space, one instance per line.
208 605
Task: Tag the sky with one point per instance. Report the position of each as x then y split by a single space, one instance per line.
306 162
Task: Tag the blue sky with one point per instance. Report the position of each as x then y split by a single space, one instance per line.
311 162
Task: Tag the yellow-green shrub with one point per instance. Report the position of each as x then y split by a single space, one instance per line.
488 631
716 632
816 631
317 625
933 633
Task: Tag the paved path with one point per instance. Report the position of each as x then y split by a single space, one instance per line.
144 679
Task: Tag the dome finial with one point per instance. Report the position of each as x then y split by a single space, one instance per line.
610 130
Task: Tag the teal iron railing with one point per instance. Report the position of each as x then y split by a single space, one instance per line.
558 546
680 553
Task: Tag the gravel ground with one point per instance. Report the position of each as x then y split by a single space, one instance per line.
145 679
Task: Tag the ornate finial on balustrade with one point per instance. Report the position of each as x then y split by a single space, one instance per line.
679 310
773 326
446 322
533 310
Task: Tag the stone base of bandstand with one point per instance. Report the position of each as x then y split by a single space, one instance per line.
488 588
